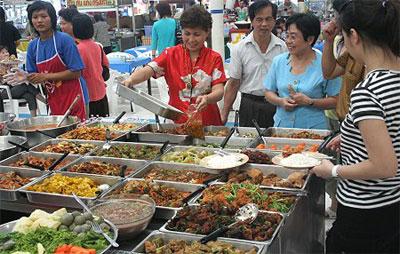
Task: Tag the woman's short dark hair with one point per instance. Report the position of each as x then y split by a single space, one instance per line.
338 5
98 17
163 9
68 14
259 5
41 5
382 28
3 47
82 27
307 23
196 17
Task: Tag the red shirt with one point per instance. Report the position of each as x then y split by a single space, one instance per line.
91 53
179 72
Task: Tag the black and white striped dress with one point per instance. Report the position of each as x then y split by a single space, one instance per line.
377 97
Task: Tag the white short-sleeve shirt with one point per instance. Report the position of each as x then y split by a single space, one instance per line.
250 65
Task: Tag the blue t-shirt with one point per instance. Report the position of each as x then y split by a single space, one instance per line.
67 50
163 34
310 83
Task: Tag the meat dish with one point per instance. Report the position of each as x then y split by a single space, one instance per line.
88 133
301 135
100 168
257 157
126 151
69 147
177 175
38 162
12 181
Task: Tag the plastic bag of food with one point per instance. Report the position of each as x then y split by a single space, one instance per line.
194 125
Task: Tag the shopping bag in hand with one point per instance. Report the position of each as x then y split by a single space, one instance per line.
194 125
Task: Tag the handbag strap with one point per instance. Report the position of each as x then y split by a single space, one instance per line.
101 54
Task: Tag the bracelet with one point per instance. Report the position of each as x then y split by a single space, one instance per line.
311 103
334 171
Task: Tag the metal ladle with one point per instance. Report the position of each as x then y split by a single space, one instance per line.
247 213
236 124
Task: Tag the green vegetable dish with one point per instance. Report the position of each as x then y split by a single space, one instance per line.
191 155
138 152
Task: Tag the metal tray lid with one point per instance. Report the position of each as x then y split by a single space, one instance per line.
148 102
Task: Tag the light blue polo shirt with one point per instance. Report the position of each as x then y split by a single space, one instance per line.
311 83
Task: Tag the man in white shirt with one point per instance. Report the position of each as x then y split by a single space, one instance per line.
250 61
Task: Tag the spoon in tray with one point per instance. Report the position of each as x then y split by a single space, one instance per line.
107 145
259 131
24 148
236 124
221 151
57 162
247 213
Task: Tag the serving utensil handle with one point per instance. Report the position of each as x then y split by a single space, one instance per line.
69 110
19 145
192 195
223 144
257 127
55 164
119 117
214 234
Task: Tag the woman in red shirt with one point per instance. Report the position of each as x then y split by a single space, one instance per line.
93 57
194 73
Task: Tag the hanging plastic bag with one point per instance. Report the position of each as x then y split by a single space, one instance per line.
194 125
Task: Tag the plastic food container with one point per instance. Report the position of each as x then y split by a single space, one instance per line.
130 216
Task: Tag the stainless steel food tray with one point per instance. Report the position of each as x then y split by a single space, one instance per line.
61 200
13 195
110 123
176 166
116 143
137 165
263 243
295 194
40 147
286 131
120 136
173 236
146 134
184 148
9 226
19 156
281 142
279 171
251 132
162 212
148 102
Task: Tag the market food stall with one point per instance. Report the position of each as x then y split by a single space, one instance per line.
175 199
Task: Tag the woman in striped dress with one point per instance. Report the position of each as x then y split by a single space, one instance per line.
368 213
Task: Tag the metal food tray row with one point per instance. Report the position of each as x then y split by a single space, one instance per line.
279 171
110 123
162 212
7 162
286 131
168 236
42 146
253 242
62 200
13 194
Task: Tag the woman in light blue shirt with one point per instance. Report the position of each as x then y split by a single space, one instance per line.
295 82
163 31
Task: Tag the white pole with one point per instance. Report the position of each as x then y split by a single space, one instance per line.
217 31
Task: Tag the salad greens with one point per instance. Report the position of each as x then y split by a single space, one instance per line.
51 239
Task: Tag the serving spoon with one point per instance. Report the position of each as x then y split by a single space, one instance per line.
247 213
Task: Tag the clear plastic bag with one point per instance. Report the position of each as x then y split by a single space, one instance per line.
194 125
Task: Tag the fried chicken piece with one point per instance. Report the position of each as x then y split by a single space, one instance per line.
297 179
256 175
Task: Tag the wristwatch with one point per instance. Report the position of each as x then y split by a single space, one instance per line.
334 171
311 102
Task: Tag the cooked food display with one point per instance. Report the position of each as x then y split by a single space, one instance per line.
257 157
100 168
66 185
69 147
179 130
88 133
32 161
12 181
57 232
159 246
224 132
177 175
302 135
137 152
207 218
239 194
118 126
255 176
290 149
191 155
161 194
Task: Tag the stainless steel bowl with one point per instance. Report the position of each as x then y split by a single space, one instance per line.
6 149
5 118
21 128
